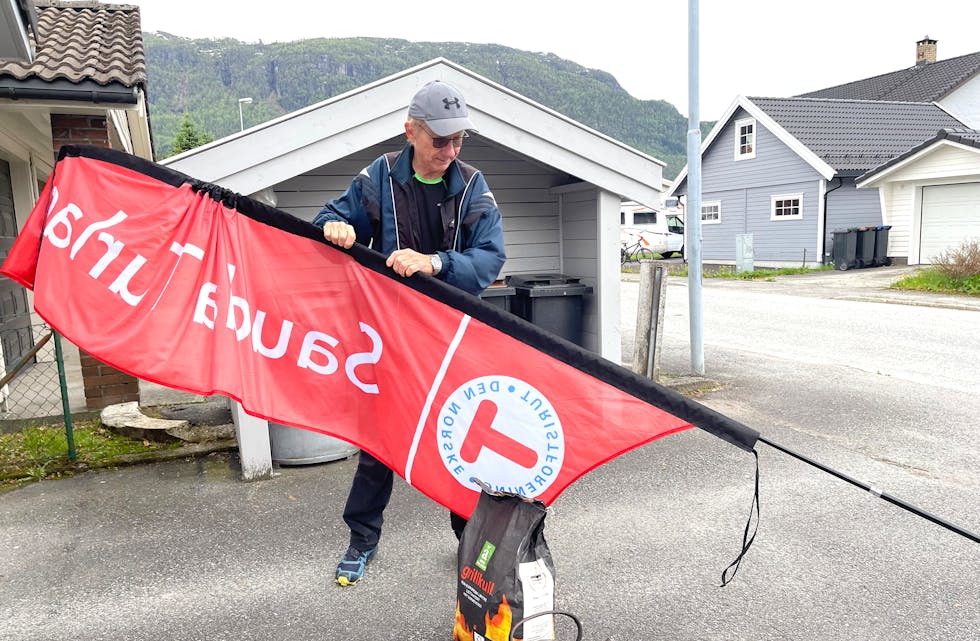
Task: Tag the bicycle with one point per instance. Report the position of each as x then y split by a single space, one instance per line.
636 251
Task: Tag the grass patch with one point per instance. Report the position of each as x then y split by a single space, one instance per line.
934 280
729 271
40 451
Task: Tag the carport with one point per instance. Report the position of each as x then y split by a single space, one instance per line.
559 184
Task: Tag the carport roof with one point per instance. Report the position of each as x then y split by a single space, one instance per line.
303 140
965 137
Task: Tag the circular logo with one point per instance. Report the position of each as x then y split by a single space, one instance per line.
503 432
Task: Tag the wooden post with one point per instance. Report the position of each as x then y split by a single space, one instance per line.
650 318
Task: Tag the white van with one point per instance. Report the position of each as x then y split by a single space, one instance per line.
660 231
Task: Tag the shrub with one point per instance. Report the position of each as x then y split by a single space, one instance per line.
961 262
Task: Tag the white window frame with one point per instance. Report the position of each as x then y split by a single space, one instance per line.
711 203
778 197
752 143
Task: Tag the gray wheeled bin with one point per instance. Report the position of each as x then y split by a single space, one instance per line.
881 245
553 302
501 296
845 249
866 246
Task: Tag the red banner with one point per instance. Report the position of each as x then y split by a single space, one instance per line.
187 285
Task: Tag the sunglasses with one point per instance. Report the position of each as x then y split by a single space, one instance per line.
439 142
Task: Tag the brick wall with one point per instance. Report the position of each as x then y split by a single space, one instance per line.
104 385
78 130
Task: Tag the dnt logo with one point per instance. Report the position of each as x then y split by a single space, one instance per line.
504 432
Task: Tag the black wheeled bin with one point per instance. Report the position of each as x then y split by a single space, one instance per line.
500 295
866 246
845 248
881 245
553 302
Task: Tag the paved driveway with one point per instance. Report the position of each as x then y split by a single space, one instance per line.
183 550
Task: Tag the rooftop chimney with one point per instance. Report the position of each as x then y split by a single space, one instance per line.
925 51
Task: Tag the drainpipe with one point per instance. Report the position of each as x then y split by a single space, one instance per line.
823 239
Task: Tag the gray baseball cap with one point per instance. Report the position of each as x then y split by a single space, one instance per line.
442 108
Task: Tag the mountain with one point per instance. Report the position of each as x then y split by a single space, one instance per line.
205 78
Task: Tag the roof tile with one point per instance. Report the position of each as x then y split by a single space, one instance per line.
85 40
853 136
921 83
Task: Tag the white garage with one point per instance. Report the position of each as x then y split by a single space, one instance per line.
930 196
950 214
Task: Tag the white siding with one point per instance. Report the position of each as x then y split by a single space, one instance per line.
579 222
899 205
964 103
520 186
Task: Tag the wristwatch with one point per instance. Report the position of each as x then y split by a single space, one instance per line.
436 263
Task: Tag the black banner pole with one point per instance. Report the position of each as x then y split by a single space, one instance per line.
876 491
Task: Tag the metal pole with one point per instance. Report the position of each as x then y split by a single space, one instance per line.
65 407
693 209
875 491
241 114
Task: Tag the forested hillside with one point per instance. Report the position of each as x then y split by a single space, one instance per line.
205 79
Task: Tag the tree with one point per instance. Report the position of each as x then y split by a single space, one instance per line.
188 137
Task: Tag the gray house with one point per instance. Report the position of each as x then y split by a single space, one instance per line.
783 171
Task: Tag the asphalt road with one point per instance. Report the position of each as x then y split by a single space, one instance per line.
884 392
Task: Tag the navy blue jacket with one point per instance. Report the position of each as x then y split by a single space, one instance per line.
379 202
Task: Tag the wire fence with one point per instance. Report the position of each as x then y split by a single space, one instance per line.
31 387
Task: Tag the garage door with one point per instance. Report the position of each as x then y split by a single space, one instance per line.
950 215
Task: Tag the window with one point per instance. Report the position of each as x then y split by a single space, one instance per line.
645 218
786 207
744 139
711 213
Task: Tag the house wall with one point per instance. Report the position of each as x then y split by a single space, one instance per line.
744 189
964 103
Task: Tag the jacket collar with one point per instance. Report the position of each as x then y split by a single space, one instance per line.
402 171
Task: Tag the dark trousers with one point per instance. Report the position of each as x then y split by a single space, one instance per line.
369 495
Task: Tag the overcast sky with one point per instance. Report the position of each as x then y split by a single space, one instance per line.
773 48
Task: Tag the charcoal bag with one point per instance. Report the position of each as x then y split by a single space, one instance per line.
505 571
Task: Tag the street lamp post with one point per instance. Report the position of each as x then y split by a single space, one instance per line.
241 114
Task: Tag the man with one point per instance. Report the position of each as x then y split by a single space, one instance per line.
430 214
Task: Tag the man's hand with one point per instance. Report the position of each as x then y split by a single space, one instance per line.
406 262
339 233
